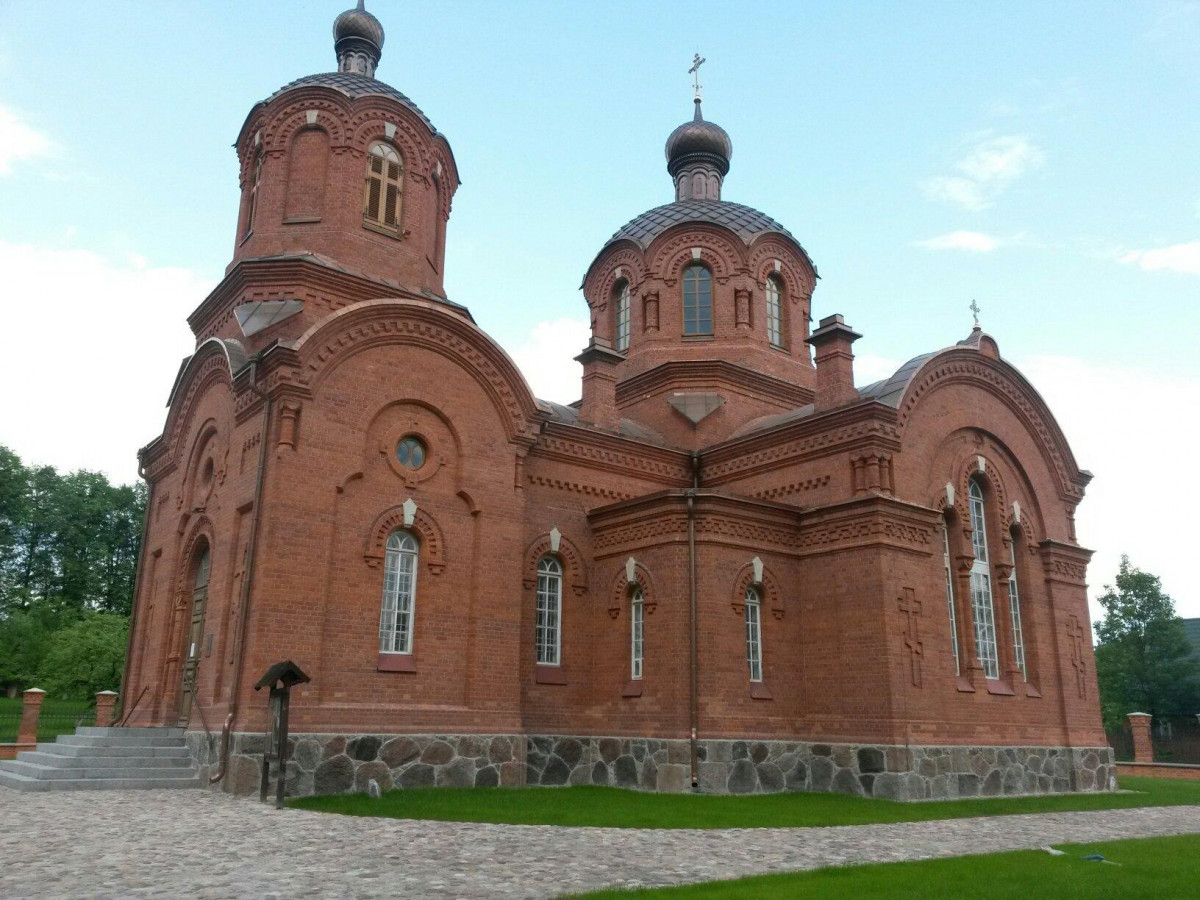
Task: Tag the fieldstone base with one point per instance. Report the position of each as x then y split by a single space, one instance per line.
338 763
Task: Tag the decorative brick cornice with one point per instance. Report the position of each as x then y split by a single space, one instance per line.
711 373
870 521
1066 563
611 453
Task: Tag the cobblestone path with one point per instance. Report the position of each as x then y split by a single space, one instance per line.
200 844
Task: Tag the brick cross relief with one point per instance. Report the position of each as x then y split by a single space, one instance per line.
1075 636
911 607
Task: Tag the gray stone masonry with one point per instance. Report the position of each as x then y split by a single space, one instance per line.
338 763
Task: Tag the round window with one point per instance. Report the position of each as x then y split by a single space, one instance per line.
410 452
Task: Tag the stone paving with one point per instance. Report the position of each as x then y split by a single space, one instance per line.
201 844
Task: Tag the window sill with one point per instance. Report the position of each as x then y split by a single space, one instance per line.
549 675
698 337
759 691
301 220
397 662
393 233
784 350
999 688
1032 691
964 685
633 688
246 237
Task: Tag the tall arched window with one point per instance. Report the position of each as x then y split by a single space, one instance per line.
385 174
637 618
775 310
950 597
399 593
697 300
754 633
547 627
621 307
1014 606
252 207
981 586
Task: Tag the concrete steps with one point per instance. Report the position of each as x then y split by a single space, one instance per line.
104 759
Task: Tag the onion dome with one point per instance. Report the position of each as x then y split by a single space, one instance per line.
358 41
698 142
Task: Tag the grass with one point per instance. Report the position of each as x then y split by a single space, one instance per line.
618 808
1149 867
57 717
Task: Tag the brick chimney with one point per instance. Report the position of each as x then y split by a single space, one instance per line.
835 362
599 406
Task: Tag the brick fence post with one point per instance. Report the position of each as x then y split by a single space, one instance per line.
106 702
1143 748
31 709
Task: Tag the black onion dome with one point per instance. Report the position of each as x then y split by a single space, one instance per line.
698 141
358 24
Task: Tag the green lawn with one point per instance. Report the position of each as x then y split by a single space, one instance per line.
1151 867
57 717
618 808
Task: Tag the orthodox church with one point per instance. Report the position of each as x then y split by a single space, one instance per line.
725 568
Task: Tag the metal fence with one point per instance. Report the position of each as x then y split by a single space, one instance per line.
1121 740
1176 739
57 717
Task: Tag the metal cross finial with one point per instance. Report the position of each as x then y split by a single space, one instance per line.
974 307
694 71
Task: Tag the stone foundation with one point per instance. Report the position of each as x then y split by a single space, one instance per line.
337 763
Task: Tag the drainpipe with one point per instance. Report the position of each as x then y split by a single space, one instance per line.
248 577
137 590
695 673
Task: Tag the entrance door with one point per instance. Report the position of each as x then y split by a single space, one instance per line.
191 660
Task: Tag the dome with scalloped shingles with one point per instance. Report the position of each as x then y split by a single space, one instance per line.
746 222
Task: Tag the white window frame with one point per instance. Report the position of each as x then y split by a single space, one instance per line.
697 304
774 294
950 597
399 608
623 328
754 633
1014 606
982 608
637 632
548 619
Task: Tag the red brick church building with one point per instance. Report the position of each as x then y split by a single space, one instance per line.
727 567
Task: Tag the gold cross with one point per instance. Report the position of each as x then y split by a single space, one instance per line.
694 71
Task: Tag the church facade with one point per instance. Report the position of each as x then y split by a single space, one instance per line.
726 568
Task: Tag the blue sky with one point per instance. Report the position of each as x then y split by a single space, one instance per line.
1038 157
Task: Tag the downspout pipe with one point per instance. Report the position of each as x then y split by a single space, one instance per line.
248 579
694 712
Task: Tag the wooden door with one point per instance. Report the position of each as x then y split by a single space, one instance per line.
195 636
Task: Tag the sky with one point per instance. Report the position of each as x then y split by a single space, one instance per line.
1039 158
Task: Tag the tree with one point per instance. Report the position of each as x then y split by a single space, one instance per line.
85 658
1144 662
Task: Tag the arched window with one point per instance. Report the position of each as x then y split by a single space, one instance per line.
697 300
548 628
950 597
637 618
254 185
399 593
981 586
775 310
754 633
384 181
621 307
1014 606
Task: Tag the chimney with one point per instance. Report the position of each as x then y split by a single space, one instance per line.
835 363
599 406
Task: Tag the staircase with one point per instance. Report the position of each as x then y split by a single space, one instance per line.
95 759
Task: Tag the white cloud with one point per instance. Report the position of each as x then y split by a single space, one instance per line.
990 165
92 347
18 141
1114 419
1184 258
547 359
971 241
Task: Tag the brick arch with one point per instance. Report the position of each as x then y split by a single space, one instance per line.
966 469
768 584
280 131
668 259
371 125
200 529
574 570
598 285
619 595
799 276
212 364
428 533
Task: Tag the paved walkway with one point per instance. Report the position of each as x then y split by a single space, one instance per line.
199 844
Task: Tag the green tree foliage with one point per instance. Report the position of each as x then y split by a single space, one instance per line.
1144 662
85 657
68 548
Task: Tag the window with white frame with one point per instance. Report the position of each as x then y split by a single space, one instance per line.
697 299
399 593
754 633
385 179
1014 606
548 628
637 619
621 298
981 587
775 310
950 597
